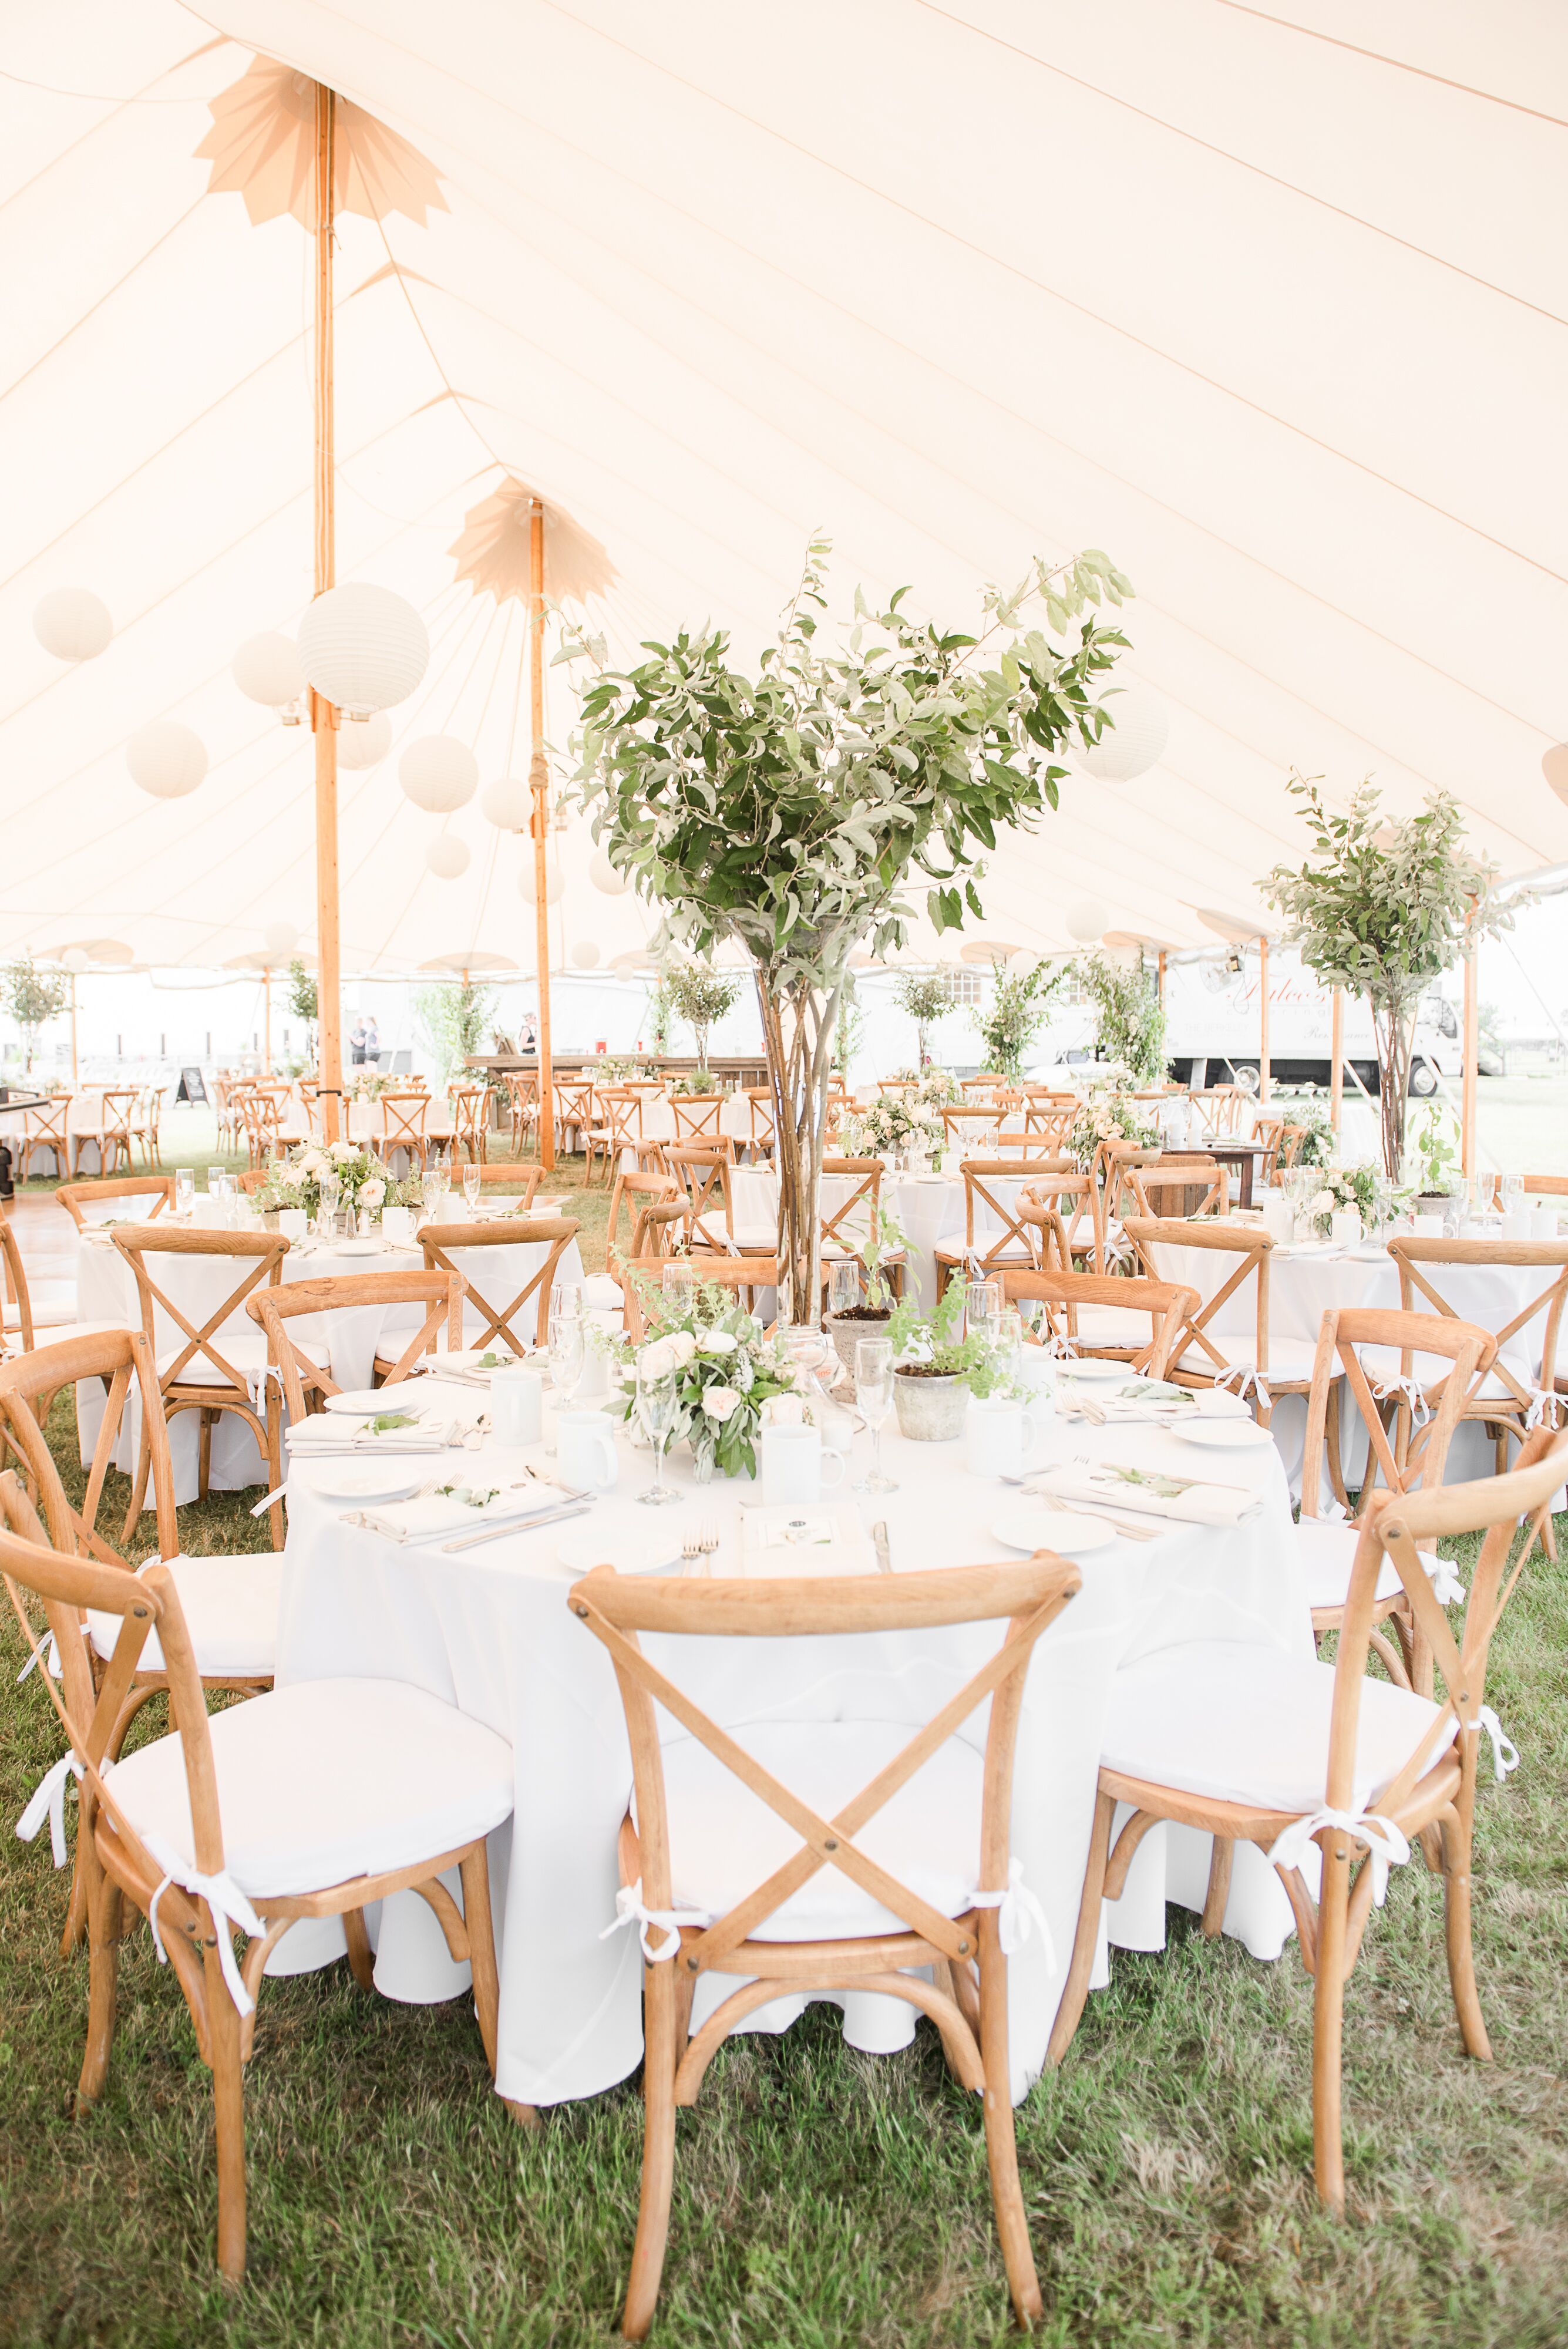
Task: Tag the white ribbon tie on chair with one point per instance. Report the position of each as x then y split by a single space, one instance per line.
1384 1841
224 1898
1241 1375
629 1910
1409 1390
1446 1585
48 1802
1545 1410
1018 1912
1504 1752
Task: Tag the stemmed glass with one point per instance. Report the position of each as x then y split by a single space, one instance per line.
185 1189
1483 1193
1006 1335
658 1402
874 1395
565 1342
678 1283
329 1191
473 1184
842 1283
1512 1194
981 1304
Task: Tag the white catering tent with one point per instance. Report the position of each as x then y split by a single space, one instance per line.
1269 300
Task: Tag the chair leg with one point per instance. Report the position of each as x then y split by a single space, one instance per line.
1076 1988
229 2112
204 1455
1218 1892
1327 2024
139 1489
362 1965
658 2150
104 1904
1001 2136
275 1459
475 1872
1456 1842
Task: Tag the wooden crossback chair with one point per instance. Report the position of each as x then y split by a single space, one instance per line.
1508 1406
76 1198
1067 1296
895 1087
264 1108
19 1333
751 1276
636 1192
1207 1357
114 1132
1328 1549
299 1384
887 1925
522 1104
574 1108
382 1786
202 1368
404 1116
485 1323
1060 1207
849 1228
699 1168
1271 1132
760 1099
967 1125
1220 1107
996 1230
1362 1769
619 1130
1174 1187
44 1127
697 1116
470 1121
1046 1122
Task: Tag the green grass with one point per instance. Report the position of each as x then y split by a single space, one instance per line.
822 2197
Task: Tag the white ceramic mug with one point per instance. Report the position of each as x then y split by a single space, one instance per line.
794 1465
585 1450
398 1226
517 1406
1001 1435
293 1222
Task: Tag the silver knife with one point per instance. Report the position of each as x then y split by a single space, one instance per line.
515 1525
879 1542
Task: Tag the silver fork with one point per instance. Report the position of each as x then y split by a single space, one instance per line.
707 1542
692 1547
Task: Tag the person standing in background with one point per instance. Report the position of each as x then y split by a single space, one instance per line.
357 1039
372 1038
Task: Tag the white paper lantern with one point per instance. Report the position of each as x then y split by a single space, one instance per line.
553 886
73 624
1087 921
363 648
1134 743
166 758
445 857
603 874
584 954
280 938
76 958
438 773
364 743
266 669
507 804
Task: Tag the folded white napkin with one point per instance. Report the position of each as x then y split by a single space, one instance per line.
459 1507
1148 1491
326 1433
1150 1399
814 1538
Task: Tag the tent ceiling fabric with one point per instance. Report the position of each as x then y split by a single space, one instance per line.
1194 282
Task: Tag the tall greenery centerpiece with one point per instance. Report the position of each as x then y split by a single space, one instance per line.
699 994
786 813
1009 1023
1131 1017
33 997
1383 905
926 996
453 1021
305 1003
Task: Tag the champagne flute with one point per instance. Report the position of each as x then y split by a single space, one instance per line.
874 1395
679 1284
981 1304
328 1192
1512 1196
566 1340
473 1184
658 1402
185 1189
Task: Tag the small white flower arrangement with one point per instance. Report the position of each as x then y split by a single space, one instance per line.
362 1179
727 1375
1107 1113
891 1123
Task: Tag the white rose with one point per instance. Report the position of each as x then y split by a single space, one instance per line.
656 1359
314 1163
783 1411
720 1401
372 1193
344 1151
682 1346
1323 1204
715 1341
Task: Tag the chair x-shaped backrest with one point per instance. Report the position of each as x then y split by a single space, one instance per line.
552 1233
842 1227
622 1107
696 1116
699 1168
123 1360
200 1361
574 1100
44 1127
1549 1256
1162 1191
1251 1248
1058 1205
1030 1596
298 1372
404 1115
762 1107
1343 1331
118 1104
994 1187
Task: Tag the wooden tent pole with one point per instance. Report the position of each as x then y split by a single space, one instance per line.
74 1033
323 715
1336 1062
266 1022
1265 1081
1471 1061
539 784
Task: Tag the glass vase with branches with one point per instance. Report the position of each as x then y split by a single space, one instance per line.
1015 1015
1131 1017
699 994
925 997
33 997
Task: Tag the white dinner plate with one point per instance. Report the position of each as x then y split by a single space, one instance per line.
345 1480
1225 1435
1093 1366
1061 1530
654 1552
370 1403
360 1248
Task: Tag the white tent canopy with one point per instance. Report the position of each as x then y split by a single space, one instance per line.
1268 301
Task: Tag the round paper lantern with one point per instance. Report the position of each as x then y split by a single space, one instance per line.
446 857
76 958
266 669
73 624
603 874
166 758
438 773
507 804
364 743
553 887
584 954
1087 921
1133 744
280 938
363 648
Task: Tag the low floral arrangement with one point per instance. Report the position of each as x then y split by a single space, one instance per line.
891 1123
1361 1187
368 1087
1317 1140
693 1080
1108 1113
724 1369
362 1180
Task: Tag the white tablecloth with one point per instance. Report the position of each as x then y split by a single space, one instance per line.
84 1124
106 1291
489 1631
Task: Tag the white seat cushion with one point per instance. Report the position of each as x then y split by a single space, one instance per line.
245 1350
61 1333
1288 1363
231 1610
329 1780
601 1294
1327 1552
1112 1325
1244 1723
724 1840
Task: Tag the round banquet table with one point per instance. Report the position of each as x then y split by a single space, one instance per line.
488 1630
352 1338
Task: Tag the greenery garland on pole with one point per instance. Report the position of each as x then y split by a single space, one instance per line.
786 813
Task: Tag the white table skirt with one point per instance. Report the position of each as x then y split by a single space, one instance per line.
489 1631
106 1291
929 1210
